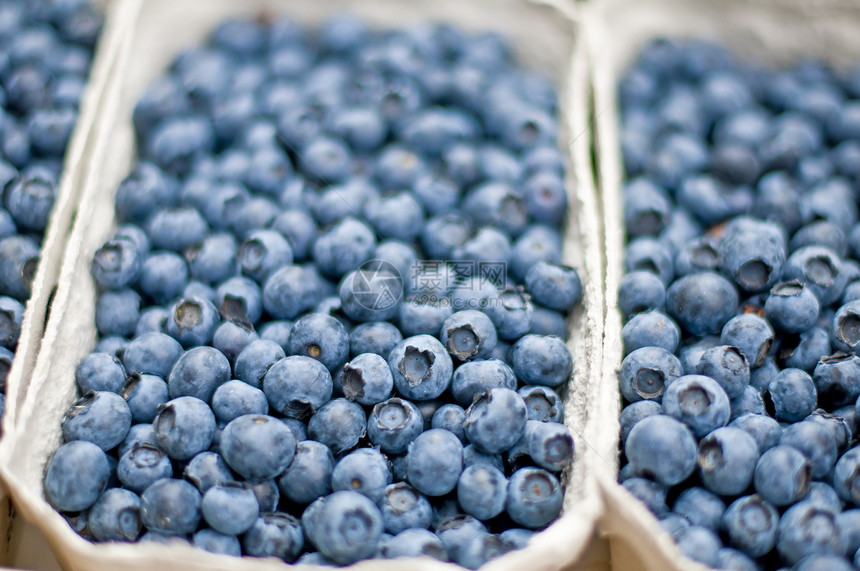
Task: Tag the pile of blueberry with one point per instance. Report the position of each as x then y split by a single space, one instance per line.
45 54
742 302
332 319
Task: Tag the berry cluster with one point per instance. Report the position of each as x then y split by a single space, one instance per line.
742 300
332 319
45 54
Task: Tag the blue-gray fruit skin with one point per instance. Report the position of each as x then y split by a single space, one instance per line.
700 507
541 360
632 414
215 542
469 334
254 361
77 474
542 403
184 427
230 508
193 321
365 471
414 542
320 337
765 430
482 491
115 516
727 459
102 418
421 367
171 507
650 329
434 462
782 476
549 444
647 372
793 395
792 307
394 424
403 507
206 470
115 265
274 535
263 252
457 531
495 420
837 379
378 337
700 544
144 395
450 417
475 377
327 521
152 353
698 401
198 373
117 312
257 447
728 366
534 497
641 291
663 448
805 529
339 424
367 379
816 441
297 386
308 476
240 299
235 398
751 524
752 335
143 465
554 286
845 476
100 372
702 303
650 493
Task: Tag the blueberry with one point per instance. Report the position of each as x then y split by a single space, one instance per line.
230 508
308 476
845 476
198 373
805 529
726 365
727 459
394 424
541 360
274 535
367 379
239 299
434 462
816 442
30 198
137 434
836 379
421 367
700 544
170 506
631 415
702 303
258 447
496 419
232 337
163 276
549 444
235 398
751 525
344 526
652 494
844 329
663 448
77 474
184 427
365 471
116 264
102 418
752 253
641 291
700 507
100 372
152 353
215 542
651 328
115 516
297 386
820 269
698 401
339 424
141 466
144 394
534 497
320 337
792 307
646 373
414 542
782 476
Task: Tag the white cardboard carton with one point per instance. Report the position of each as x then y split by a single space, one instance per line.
776 33
53 247
153 32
